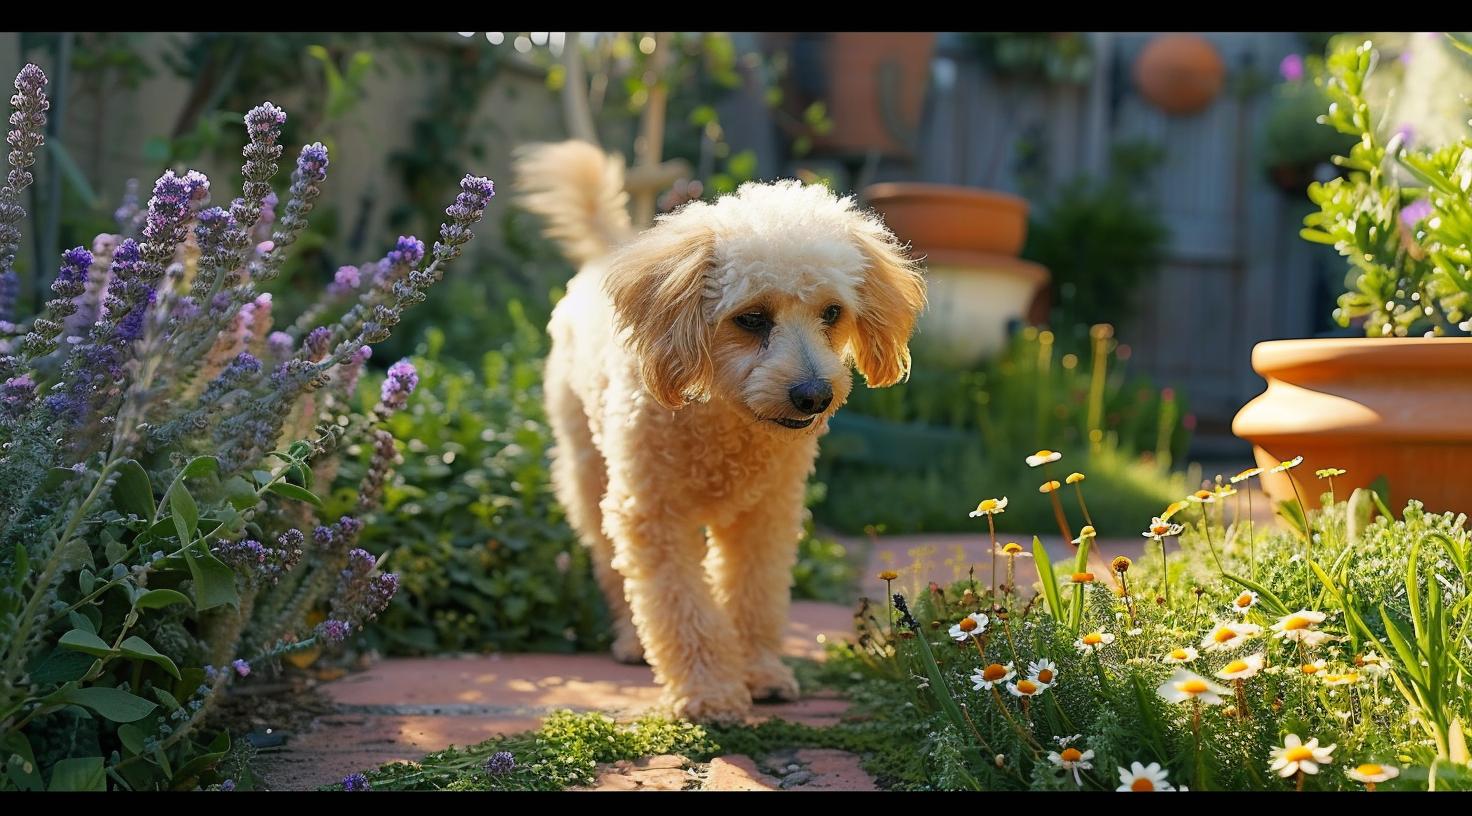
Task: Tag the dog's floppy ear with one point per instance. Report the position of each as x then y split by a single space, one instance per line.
890 300
657 285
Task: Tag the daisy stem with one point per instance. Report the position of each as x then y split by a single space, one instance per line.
1062 519
1196 737
1206 522
1011 587
1251 533
1087 518
1300 782
1241 699
1128 602
979 649
1007 627
1164 573
1002 707
992 526
1334 500
1308 535
889 602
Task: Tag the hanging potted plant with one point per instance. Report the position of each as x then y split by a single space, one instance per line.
1395 403
1296 150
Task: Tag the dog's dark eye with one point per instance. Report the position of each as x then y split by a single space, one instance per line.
830 314
754 321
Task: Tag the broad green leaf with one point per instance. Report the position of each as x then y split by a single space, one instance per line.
132 737
185 513
61 666
214 583
200 466
1045 574
83 774
133 493
55 477
160 598
1264 594
291 491
26 774
114 704
137 647
80 640
241 493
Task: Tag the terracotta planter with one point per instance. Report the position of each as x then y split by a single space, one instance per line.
872 84
978 287
1397 408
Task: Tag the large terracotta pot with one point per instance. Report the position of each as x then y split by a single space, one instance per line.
1398 408
872 84
969 240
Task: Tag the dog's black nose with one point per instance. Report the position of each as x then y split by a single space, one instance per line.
812 397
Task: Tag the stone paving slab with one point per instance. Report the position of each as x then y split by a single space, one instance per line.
404 708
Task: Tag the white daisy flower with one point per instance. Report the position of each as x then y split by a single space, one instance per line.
990 507
1027 688
1043 671
1093 642
1043 457
985 679
1244 602
1229 635
970 626
1242 668
1187 685
1288 465
1299 627
1160 529
1143 778
1372 774
1296 756
1185 655
1072 759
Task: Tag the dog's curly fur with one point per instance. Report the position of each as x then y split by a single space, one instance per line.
682 445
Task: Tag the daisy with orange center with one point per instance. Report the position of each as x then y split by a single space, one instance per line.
1228 636
1043 457
1243 603
1043 671
1242 668
1025 688
1144 779
990 508
1082 578
1345 679
1299 757
1371 774
1183 655
1299 627
1093 642
1072 759
990 676
1313 667
971 626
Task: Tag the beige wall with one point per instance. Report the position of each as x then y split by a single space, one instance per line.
108 143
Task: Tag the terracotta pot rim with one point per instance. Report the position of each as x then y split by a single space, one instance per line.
1361 354
889 191
968 260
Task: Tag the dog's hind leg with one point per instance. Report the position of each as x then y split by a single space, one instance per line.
580 477
751 570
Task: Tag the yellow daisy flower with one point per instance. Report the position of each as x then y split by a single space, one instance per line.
1043 457
990 507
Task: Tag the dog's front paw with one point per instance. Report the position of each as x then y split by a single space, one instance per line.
722 704
628 649
771 679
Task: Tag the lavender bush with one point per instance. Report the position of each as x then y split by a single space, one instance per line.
160 442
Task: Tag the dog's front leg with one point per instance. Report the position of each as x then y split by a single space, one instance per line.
751 570
687 638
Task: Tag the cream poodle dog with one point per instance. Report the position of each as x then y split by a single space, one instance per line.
693 368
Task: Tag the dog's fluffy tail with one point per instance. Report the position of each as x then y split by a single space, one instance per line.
579 190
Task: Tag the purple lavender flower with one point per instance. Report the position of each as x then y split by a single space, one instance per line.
27 134
401 382
475 194
1415 212
241 667
313 162
210 673
499 763
70 283
334 631
360 563
352 369
280 345
356 782
228 785
322 537
264 122
317 343
245 555
407 251
345 280
1291 68
16 395
349 526
381 591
